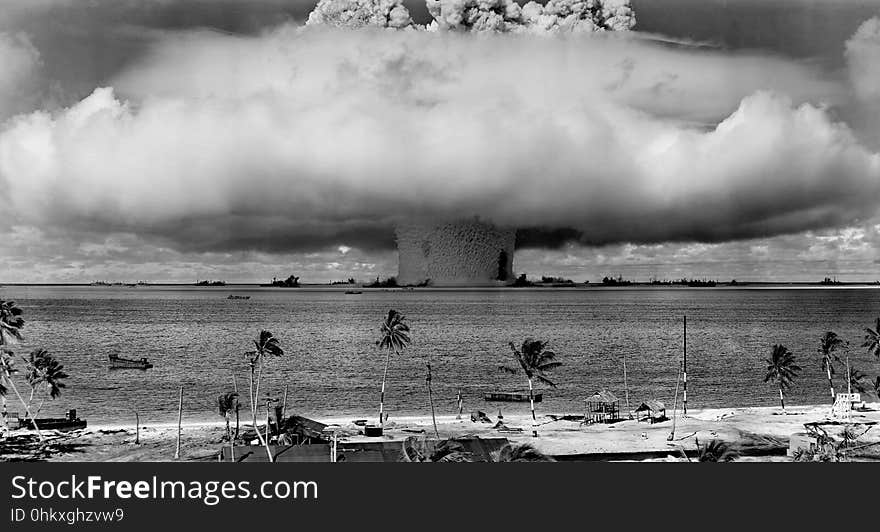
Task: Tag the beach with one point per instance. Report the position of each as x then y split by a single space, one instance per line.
756 433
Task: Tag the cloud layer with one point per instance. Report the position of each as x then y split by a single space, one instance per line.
308 138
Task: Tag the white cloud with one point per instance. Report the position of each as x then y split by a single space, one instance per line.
305 138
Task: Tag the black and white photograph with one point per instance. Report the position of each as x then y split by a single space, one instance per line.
268 231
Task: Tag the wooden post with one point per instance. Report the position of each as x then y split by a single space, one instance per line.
431 399
137 428
684 370
626 388
460 404
284 405
179 421
675 404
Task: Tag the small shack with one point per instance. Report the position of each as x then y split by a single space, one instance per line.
305 430
602 407
653 411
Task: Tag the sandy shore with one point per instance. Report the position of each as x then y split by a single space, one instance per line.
743 428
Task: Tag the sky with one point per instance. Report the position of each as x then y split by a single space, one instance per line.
176 140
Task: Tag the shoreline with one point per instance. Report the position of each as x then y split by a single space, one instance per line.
758 433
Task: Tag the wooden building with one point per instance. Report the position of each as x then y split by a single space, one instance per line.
602 407
653 411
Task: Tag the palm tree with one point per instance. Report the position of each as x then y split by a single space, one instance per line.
393 336
265 345
11 324
7 369
872 339
227 405
524 452
716 451
534 361
43 372
858 380
829 343
782 369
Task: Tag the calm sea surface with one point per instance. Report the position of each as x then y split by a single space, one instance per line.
196 337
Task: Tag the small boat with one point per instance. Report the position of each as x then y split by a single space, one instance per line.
352 292
63 424
233 296
511 397
117 362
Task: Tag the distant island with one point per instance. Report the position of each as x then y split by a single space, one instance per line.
290 282
210 283
390 282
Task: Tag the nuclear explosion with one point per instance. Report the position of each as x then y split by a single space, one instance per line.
469 253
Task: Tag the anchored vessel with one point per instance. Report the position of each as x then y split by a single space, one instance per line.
117 362
511 397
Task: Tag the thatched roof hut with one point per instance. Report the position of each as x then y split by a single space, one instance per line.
652 410
602 407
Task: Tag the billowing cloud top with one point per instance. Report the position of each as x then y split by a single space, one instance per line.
482 15
360 13
309 137
554 16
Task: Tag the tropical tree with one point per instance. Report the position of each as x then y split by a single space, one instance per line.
782 370
228 404
872 339
45 376
534 361
11 324
717 451
265 345
524 452
859 381
7 370
829 344
393 337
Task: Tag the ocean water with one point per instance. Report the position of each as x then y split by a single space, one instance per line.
196 337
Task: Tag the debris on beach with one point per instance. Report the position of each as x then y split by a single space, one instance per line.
478 416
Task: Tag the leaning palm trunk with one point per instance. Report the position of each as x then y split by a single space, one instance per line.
782 398
382 393
431 400
253 400
27 410
532 400
830 382
266 439
532 406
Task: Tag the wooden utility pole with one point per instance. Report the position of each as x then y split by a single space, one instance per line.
431 399
626 387
179 422
685 369
675 404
